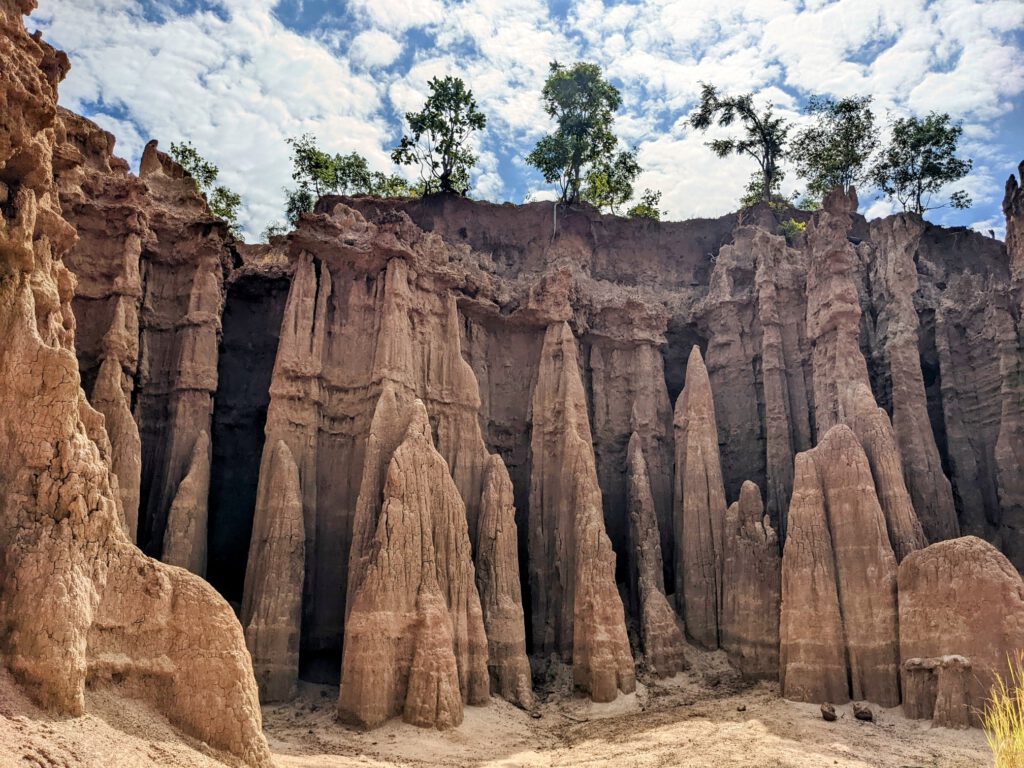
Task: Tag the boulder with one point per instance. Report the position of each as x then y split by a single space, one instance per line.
962 598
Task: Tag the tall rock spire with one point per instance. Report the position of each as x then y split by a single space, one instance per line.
272 604
838 624
660 636
415 629
577 611
699 507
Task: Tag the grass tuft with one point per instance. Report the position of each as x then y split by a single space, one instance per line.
1003 716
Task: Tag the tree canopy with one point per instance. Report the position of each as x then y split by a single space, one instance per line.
318 173
610 180
583 105
834 150
439 134
647 207
223 202
919 160
763 135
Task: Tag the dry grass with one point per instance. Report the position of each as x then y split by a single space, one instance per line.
1003 718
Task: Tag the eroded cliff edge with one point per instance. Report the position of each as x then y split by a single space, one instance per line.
913 343
227 375
80 605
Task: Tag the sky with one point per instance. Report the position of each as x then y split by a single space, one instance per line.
238 77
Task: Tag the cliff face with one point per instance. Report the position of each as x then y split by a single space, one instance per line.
79 603
433 438
151 262
798 338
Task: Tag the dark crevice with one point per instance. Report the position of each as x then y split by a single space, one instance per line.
932 374
251 324
681 338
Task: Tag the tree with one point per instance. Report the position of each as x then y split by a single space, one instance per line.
610 181
273 229
223 202
919 160
203 172
763 137
834 150
318 173
297 202
583 105
314 170
438 137
753 194
647 208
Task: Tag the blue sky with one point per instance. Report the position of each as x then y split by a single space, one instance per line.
237 77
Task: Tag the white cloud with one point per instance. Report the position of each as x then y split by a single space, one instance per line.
238 82
236 88
374 48
400 15
992 226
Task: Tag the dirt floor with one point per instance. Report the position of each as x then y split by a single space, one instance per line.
705 717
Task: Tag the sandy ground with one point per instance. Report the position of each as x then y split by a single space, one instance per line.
701 718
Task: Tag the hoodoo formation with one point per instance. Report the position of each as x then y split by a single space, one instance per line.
425 449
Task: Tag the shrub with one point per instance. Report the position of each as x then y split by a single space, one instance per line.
792 229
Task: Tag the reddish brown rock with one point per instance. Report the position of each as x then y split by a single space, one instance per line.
838 625
779 285
752 584
660 636
699 507
105 205
894 282
1009 448
577 611
272 603
80 605
151 261
370 307
871 425
812 651
977 352
387 430
110 399
185 537
960 597
938 689
497 570
421 539
433 699
842 392
629 395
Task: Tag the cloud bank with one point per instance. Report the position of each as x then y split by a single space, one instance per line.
237 77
